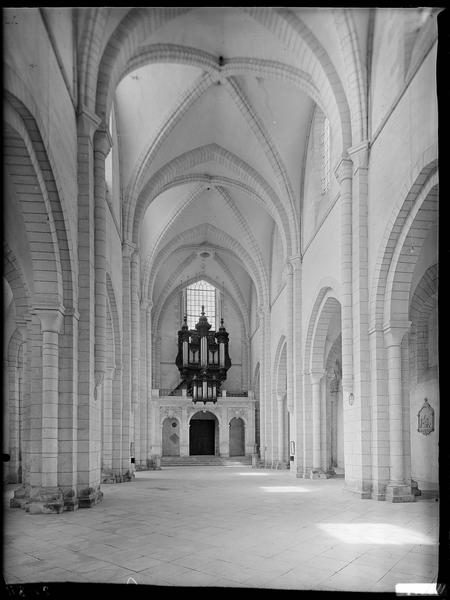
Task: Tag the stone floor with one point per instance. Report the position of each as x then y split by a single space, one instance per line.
227 527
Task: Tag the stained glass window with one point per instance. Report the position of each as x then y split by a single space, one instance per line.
200 294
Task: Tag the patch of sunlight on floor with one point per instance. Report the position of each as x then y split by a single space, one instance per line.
284 489
259 474
374 533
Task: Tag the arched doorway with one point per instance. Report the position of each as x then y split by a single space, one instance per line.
203 434
237 437
324 355
170 437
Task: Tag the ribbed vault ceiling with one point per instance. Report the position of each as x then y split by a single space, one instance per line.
213 112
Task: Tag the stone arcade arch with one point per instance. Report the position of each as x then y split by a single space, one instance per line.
204 434
414 216
421 385
237 436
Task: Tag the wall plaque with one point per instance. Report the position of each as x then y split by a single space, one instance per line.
425 418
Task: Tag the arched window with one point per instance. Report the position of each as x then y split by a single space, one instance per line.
325 147
200 294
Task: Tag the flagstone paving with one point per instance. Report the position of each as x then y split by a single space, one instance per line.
227 527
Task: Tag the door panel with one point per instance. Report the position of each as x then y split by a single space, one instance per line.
201 437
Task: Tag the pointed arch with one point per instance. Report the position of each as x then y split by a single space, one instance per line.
192 237
248 181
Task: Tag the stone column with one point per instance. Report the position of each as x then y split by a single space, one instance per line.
316 379
107 437
11 432
21 494
294 373
68 409
102 146
359 413
281 430
116 416
47 497
379 413
264 401
143 402
135 352
397 489
324 420
127 250
150 412
88 413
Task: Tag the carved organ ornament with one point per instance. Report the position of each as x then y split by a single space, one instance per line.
202 359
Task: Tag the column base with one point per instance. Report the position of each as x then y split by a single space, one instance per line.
70 500
155 462
142 467
45 501
399 493
89 497
20 498
378 491
107 476
317 474
281 465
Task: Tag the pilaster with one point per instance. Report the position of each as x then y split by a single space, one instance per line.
45 494
397 490
127 250
88 411
316 380
264 316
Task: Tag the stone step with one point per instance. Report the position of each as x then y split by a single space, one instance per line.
204 461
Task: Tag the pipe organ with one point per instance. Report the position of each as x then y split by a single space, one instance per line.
202 359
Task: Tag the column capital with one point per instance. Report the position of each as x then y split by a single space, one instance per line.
359 154
110 372
394 332
128 248
102 139
87 121
263 309
344 169
316 376
293 263
22 326
51 318
147 305
135 256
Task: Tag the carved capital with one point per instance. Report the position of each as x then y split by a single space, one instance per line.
128 248
22 327
136 257
360 155
147 305
51 318
263 309
294 263
316 376
102 140
87 122
344 169
394 332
